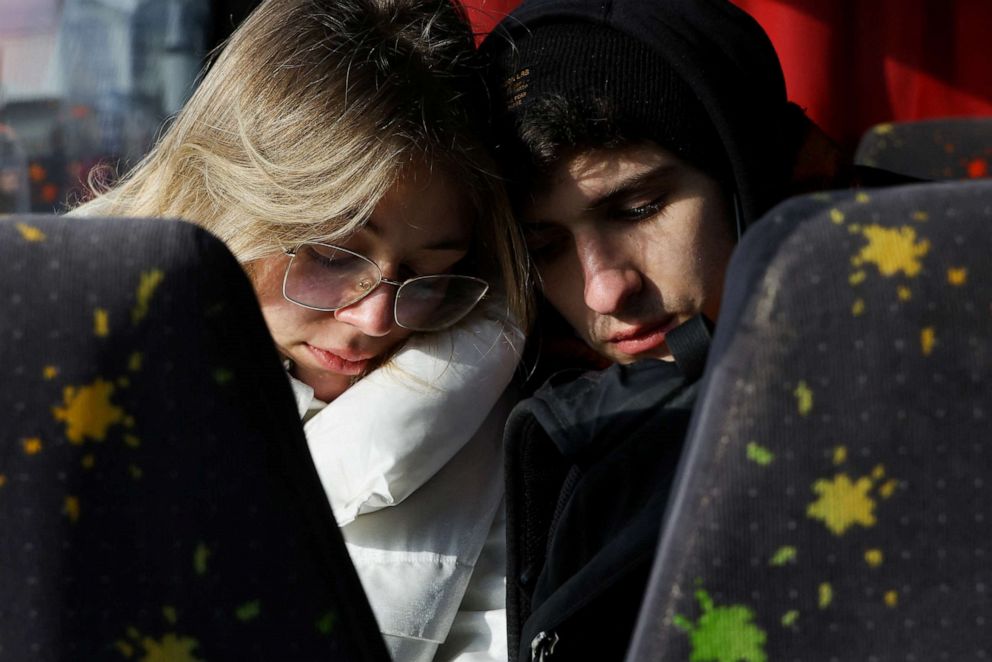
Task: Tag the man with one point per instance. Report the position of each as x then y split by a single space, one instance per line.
643 137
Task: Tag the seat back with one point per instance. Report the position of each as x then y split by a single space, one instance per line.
157 498
936 149
832 502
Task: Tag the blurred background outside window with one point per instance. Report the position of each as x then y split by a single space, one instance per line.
84 82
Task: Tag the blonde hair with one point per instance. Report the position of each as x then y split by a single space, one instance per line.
310 114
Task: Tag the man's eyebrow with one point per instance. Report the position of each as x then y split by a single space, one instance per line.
633 184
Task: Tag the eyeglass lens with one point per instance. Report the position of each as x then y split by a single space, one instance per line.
328 278
325 277
434 302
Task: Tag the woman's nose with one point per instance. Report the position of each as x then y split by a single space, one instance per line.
373 315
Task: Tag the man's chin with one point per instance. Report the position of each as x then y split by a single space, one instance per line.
614 355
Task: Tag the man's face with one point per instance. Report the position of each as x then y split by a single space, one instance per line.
630 242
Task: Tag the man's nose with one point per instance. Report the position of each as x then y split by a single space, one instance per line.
373 315
609 277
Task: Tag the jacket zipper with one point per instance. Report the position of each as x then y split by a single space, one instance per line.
542 647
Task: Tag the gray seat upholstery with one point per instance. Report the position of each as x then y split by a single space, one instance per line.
833 499
930 150
157 498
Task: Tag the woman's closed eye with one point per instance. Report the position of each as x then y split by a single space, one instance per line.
330 259
434 263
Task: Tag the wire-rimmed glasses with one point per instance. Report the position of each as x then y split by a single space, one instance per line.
327 278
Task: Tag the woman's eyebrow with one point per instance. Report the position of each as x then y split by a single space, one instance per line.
633 184
459 243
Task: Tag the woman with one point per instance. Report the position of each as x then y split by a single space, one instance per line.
333 146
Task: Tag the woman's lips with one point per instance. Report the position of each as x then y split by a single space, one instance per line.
642 338
344 363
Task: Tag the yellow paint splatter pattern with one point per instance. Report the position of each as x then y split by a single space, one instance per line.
134 361
71 508
928 338
874 557
957 277
888 489
843 503
804 398
30 233
88 412
170 648
150 281
101 323
892 250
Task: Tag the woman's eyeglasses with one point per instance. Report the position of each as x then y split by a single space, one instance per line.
328 278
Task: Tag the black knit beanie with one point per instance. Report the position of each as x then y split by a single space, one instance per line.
603 73
712 90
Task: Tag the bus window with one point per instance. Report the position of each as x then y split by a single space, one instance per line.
14 195
88 82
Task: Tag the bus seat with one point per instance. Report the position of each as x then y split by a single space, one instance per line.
833 499
157 498
930 150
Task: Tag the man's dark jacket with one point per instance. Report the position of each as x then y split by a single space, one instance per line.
590 461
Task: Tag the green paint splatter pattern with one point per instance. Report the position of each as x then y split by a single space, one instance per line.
783 555
223 376
723 634
325 624
200 557
759 454
249 611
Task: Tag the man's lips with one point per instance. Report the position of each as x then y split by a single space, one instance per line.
642 338
343 362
